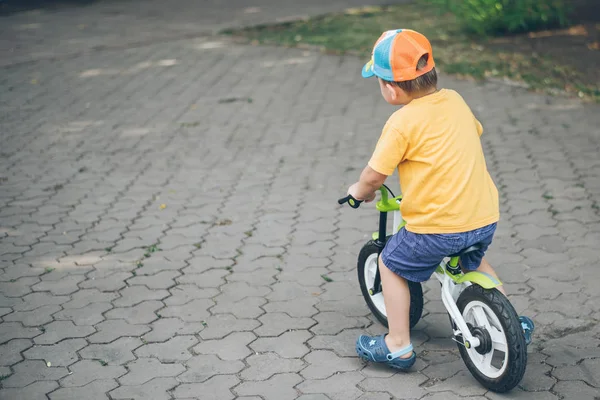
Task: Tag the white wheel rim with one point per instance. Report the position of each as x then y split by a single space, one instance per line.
479 314
370 270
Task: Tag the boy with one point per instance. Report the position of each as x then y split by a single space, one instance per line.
449 199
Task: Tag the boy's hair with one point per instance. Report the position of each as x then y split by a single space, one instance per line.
422 83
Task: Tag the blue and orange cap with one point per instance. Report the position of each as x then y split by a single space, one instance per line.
396 54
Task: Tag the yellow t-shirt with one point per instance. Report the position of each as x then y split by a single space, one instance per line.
434 142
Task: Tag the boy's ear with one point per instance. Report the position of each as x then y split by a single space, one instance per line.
392 90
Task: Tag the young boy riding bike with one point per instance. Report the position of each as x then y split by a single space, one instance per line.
449 199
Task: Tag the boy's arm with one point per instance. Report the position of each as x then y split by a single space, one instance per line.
388 153
369 181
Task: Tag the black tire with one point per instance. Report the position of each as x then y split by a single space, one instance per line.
515 340
416 291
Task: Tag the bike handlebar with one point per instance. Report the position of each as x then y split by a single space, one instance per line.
352 202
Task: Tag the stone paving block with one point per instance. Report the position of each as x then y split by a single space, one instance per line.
540 258
294 308
278 387
258 277
10 352
156 389
307 277
15 272
274 324
194 311
289 345
110 330
576 390
236 291
463 382
118 352
14 330
550 244
85 297
284 291
18 288
537 375
13 302
199 264
586 371
409 385
112 264
322 364
450 396
86 371
343 343
165 328
39 299
232 347
202 367
59 330
183 294
330 323
37 317
110 283
143 370
35 391
247 265
221 325
215 388
173 350
212 278
263 366
441 365
314 397
133 295
96 390
30 371
88 315
519 394
156 264
61 354
250 307
161 280
142 313
339 386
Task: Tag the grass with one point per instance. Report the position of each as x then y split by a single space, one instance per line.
355 31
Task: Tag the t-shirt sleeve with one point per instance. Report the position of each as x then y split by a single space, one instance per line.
389 152
479 127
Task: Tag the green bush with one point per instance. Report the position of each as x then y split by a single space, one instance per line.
493 17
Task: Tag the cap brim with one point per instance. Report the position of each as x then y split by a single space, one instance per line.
367 70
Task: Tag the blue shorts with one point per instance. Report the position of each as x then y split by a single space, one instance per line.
415 256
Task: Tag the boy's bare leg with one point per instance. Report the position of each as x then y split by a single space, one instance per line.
396 296
487 268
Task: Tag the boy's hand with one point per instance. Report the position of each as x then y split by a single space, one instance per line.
354 190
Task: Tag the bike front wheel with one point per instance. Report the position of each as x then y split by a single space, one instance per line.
367 267
499 362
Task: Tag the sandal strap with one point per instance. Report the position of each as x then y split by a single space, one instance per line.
400 352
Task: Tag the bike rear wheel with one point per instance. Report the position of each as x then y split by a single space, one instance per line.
499 362
367 267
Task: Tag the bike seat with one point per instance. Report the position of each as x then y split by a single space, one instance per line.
475 247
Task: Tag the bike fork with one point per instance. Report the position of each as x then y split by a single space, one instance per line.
380 243
462 334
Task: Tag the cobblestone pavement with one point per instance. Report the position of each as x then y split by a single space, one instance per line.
167 212
70 30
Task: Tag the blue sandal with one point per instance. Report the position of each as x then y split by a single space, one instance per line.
374 349
528 328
